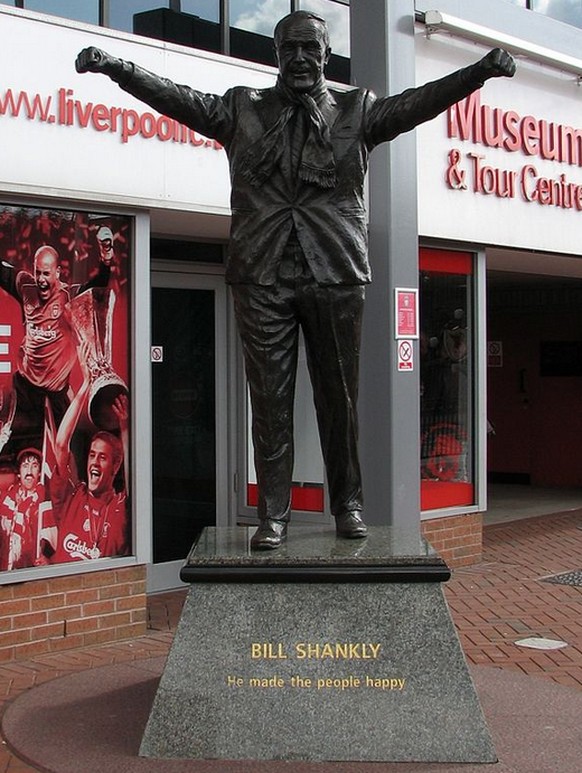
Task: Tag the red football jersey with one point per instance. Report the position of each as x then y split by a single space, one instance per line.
47 352
89 527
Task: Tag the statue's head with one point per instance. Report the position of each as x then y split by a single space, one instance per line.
302 49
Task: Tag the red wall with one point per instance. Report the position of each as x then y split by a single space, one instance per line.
537 420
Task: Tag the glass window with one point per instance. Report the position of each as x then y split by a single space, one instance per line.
65 288
81 10
446 367
258 16
205 9
121 12
568 11
337 16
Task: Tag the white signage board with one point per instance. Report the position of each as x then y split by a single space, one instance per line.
81 136
505 166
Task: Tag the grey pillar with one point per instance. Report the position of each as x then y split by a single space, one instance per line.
382 54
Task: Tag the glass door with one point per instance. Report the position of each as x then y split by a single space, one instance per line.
188 416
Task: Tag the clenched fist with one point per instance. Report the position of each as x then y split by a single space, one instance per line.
95 60
497 64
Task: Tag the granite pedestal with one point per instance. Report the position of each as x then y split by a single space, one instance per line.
325 649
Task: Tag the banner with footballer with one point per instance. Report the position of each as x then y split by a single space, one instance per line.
64 375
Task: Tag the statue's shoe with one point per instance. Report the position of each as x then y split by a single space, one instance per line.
350 525
270 535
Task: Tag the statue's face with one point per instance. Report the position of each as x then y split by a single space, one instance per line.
302 54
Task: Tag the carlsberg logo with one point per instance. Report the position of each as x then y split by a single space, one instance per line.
78 548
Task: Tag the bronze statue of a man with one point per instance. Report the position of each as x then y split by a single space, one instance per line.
297 258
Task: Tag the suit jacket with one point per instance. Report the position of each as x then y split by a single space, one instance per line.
330 223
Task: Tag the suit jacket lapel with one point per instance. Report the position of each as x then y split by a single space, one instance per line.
329 109
268 107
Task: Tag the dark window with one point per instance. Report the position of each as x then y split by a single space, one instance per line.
191 252
337 16
198 23
258 16
121 12
561 358
204 9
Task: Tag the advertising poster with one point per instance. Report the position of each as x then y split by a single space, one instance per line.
64 376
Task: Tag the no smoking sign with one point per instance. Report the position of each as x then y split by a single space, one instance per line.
157 353
405 356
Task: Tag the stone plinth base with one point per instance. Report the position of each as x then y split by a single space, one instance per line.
321 664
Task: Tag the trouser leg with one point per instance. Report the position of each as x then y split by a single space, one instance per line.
331 318
269 334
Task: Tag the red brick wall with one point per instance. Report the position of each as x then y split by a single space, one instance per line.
66 612
458 539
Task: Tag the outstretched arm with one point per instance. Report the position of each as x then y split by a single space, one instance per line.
8 279
392 116
121 410
208 114
101 279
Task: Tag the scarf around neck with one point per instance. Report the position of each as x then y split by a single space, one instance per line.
317 162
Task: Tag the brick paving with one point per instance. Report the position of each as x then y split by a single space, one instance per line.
504 598
493 604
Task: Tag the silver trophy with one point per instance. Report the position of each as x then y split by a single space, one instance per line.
92 317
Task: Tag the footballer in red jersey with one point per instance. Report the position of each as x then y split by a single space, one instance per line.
27 525
48 350
92 516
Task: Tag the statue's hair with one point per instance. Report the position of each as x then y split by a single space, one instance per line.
291 17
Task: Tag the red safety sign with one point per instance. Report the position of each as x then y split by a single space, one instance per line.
405 356
406 310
